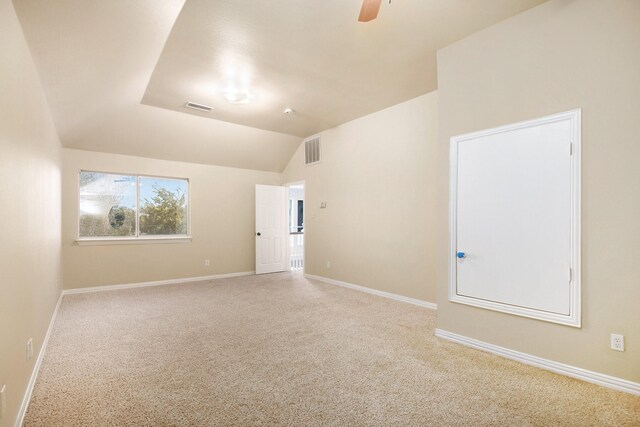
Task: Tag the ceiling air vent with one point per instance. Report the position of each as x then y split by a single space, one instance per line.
199 107
312 150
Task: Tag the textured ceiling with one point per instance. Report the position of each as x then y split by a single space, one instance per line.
312 56
94 59
117 73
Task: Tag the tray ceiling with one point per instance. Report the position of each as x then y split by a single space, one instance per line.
117 73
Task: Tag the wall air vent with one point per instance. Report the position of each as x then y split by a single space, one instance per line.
312 150
199 107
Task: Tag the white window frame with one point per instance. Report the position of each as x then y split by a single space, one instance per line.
137 239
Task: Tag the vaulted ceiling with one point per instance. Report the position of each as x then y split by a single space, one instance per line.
117 73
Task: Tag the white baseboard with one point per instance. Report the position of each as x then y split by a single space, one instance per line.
384 294
36 368
559 368
155 283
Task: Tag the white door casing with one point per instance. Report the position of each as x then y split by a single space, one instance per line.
514 219
271 229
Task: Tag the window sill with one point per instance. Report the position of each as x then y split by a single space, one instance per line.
133 241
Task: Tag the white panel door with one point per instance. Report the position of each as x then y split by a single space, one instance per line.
271 229
514 234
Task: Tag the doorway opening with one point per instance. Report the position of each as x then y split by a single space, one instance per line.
296 226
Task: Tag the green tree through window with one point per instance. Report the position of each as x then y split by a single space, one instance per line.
165 213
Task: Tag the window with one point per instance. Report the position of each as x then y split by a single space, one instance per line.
300 214
296 216
132 206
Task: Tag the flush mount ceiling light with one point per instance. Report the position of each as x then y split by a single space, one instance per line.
199 107
288 110
237 97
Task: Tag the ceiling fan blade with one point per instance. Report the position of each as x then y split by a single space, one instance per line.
369 10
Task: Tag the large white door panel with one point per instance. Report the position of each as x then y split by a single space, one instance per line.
270 229
513 219
264 252
277 250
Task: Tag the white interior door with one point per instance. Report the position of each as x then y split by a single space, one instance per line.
271 229
513 244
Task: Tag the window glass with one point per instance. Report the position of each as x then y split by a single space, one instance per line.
163 206
115 205
107 205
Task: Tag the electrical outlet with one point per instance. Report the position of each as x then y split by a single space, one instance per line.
328 264
3 400
207 263
617 342
30 349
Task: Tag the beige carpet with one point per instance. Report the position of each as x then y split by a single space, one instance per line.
282 350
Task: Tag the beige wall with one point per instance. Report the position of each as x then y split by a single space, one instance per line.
30 200
556 57
222 224
377 176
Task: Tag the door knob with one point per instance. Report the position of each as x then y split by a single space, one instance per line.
258 233
461 255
